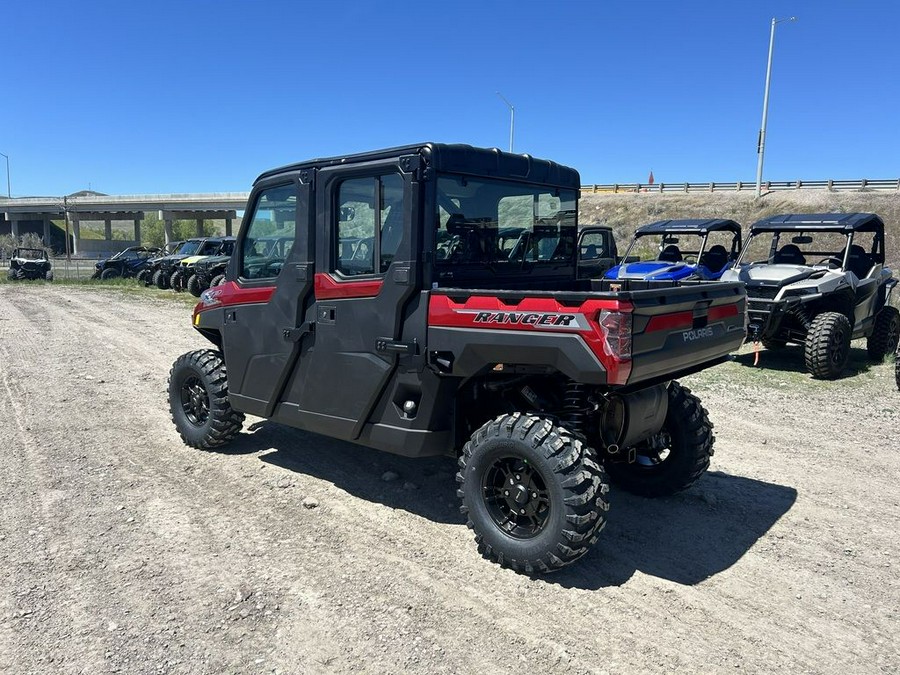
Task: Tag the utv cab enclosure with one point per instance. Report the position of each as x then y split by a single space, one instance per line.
818 279
430 304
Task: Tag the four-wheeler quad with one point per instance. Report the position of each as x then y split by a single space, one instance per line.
540 385
712 245
184 278
29 263
128 263
819 280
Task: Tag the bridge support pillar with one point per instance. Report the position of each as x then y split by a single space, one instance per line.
46 230
76 233
107 229
14 227
137 231
199 227
228 227
168 226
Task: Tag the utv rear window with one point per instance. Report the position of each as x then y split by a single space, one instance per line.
482 221
272 229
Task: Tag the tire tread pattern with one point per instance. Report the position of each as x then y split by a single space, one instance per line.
817 347
583 481
226 422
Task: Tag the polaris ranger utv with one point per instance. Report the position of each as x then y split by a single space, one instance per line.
373 331
819 280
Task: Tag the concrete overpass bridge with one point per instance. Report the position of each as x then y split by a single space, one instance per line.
37 215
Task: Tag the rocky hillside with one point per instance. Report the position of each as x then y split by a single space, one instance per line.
625 212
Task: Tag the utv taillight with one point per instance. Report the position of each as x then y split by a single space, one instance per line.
617 333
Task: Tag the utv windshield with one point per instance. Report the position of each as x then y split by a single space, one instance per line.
189 248
31 254
499 224
797 248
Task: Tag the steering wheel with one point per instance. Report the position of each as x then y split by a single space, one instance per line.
831 260
690 259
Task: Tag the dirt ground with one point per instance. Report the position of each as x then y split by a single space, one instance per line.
122 550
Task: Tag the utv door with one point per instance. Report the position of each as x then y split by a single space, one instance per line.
596 252
264 333
366 275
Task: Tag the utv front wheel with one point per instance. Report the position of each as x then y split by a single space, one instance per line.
532 492
827 348
193 286
673 459
48 275
883 339
217 280
109 274
198 400
160 280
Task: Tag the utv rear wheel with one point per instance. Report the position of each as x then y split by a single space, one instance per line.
160 280
217 280
827 348
883 339
673 459
533 493
48 275
198 400
109 274
175 281
193 286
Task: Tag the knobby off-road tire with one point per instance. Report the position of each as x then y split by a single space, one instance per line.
48 275
885 333
160 280
533 493
193 286
109 274
897 369
176 281
11 275
827 347
217 280
198 400
676 457
142 276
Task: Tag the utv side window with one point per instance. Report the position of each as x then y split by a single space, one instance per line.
370 224
271 232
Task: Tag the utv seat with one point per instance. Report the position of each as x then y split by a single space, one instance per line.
715 258
789 254
670 253
859 262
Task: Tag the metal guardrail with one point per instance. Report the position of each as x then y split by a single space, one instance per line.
769 186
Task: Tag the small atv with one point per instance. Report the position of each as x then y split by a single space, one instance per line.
29 263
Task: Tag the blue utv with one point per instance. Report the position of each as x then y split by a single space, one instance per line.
677 250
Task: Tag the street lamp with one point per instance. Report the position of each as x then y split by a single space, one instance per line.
761 141
512 119
8 191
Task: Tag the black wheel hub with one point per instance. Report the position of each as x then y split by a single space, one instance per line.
195 401
516 497
838 348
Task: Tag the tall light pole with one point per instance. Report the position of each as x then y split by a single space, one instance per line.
512 119
8 191
761 141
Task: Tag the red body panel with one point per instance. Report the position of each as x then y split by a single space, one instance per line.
329 288
535 314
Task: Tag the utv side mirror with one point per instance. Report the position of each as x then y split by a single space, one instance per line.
348 213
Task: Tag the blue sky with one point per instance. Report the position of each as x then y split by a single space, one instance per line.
192 96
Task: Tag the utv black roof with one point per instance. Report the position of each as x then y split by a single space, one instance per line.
689 226
457 158
831 222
